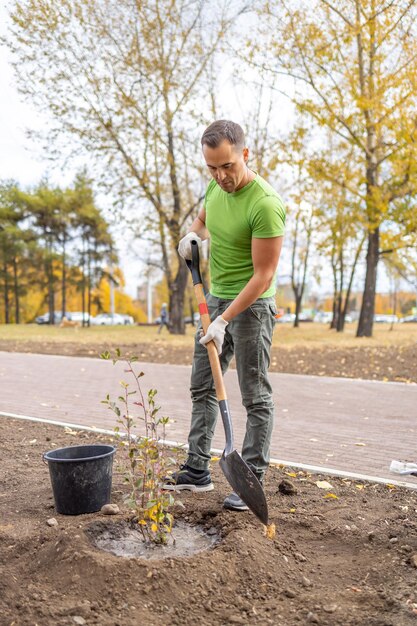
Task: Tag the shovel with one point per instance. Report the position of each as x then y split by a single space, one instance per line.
238 473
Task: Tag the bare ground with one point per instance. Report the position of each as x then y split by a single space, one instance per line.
389 363
345 560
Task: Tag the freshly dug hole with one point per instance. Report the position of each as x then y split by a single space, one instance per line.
124 539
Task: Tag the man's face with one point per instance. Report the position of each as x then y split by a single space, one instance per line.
227 165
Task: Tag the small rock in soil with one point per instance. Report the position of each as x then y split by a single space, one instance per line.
406 548
52 521
330 608
237 619
110 509
289 593
413 560
300 557
312 618
287 488
77 619
306 581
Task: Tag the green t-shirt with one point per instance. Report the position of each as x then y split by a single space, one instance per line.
232 220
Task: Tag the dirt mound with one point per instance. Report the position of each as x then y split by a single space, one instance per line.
344 554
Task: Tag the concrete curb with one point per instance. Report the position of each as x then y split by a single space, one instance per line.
314 469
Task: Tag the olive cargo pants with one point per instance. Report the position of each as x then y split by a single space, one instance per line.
249 337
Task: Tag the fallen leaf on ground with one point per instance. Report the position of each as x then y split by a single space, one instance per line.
360 444
69 431
269 531
292 474
323 484
331 495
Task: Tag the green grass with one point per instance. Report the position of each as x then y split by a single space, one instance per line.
285 334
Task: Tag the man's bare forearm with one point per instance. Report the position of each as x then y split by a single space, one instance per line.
199 228
256 286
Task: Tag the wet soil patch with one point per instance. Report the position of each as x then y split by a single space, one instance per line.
342 556
124 539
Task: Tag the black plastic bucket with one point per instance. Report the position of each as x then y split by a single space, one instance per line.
81 477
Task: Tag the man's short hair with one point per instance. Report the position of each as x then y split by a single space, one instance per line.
220 130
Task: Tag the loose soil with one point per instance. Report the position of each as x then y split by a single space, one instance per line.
388 363
346 555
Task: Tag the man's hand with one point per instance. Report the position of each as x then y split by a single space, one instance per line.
215 332
184 246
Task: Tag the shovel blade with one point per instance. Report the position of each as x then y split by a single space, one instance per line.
244 482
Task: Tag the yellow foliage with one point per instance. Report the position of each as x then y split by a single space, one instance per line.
269 531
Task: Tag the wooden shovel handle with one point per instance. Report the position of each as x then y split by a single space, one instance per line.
211 347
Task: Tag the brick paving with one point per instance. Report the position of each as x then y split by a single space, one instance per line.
347 425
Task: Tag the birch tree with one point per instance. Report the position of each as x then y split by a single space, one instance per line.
354 65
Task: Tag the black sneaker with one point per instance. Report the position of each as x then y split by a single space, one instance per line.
187 479
234 503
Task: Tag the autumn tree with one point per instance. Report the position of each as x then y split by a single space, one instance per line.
354 69
342 234
47 231
126 82
12 243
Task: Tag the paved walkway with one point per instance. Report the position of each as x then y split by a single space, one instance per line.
343 424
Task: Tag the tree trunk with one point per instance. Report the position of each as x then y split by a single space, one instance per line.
394 305
16 293
366 318
176 301
49 271
51 299
6 295
88 288
64 278
298 299
83 284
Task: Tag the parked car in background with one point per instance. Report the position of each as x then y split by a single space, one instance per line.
323 317
128 319
77 316
44 319
326 317
409 319
108 319
385 319
287 318
196 318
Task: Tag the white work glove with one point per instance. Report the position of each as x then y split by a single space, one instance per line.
215 332
184 246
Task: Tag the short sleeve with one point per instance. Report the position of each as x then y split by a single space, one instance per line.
267 218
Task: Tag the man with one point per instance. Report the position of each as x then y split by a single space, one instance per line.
244 218
163 318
